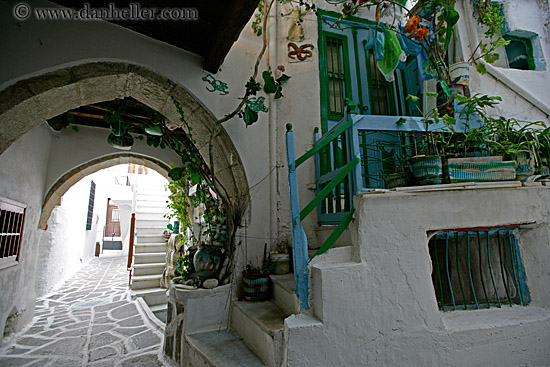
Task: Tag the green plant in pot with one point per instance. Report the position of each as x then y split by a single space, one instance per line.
427 165
256 279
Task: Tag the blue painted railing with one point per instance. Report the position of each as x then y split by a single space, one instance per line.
340 176
331 181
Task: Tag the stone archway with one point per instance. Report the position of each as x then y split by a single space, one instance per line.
28 103
63 184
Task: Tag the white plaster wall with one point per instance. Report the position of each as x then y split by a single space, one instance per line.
380 309
34 47
66 244
22 178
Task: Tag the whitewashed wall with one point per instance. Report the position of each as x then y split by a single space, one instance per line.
22 178
379 308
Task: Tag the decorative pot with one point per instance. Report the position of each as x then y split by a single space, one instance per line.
526 164
281 262
255 286
206 261
480 169
427 169
460 70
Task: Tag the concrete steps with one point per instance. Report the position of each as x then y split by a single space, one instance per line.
220 349
151 230
261 325
160 311
146 281
151 296
150 248
148 269
148 258
284 295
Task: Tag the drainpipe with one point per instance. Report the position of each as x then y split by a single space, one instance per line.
493 71
272 105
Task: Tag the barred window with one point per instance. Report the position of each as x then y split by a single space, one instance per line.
475 269
337 69
12 220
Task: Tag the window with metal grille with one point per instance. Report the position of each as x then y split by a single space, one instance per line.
12 220
477 268
519 53
90 215
338 76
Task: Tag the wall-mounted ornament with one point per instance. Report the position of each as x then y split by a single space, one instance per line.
299 53
217 85
296 30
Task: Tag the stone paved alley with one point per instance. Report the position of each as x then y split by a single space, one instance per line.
89 321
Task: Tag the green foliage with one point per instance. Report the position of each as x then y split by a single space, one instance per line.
179 203
272 85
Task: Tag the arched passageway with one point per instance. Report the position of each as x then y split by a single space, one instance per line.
28 103
76 174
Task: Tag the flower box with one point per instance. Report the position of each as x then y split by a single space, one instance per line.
480 169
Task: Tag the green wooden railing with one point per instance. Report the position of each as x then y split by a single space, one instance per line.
334 189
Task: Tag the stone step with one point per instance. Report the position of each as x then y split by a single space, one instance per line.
156 229
160 311
153 222
261 325
151 216
150 210
149 238
284 294
150 248
220 349
152 197
150 192
145 281
148 258
323 232
148 269
151 204
151 296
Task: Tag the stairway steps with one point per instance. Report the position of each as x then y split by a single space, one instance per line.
148 269
147 258
220 349
150 204
158 230
149 210
261 325
146 281
149 238
150 248
284 295
151 296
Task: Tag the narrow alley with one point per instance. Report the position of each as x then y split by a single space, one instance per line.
89 321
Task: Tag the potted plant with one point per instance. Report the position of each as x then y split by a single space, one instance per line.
426 165
256 280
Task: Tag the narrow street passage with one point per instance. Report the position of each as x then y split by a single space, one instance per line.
89 321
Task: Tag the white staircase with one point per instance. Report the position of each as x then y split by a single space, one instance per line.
256 335
150 250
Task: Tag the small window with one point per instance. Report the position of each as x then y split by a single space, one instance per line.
475 269
337 72
90 207
12 219
519 53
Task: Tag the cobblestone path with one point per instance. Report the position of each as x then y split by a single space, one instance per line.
89 321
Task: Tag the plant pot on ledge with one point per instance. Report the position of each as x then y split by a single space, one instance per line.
427 169
480 169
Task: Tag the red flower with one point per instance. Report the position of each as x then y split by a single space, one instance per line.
412 24
420 33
